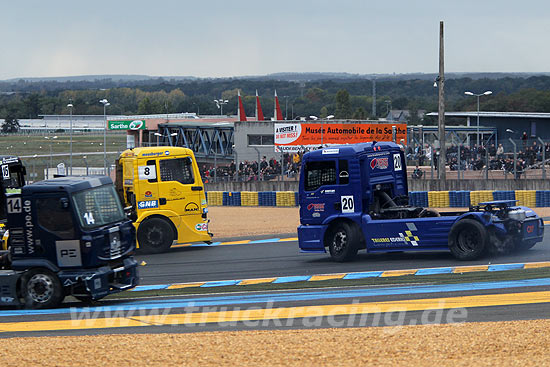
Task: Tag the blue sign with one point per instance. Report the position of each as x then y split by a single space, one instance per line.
148 204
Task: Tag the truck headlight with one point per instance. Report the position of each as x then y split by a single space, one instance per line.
518 214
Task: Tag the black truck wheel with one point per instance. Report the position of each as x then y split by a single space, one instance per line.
155 235
468 239
343 241
41 288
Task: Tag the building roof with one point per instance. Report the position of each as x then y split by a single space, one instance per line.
199 123
523 115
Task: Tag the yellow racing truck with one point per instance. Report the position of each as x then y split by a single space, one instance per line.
164 189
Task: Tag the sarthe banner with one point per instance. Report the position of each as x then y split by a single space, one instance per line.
296 134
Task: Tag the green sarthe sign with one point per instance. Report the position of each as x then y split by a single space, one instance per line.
126 124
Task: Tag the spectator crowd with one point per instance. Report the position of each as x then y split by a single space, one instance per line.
464 157
264 170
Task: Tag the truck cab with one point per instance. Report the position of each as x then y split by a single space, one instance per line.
67 236
355 197
164 189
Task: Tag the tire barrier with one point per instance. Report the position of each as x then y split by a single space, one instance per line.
432 199
459 199
438 199
249 198
418 198
477 197
542 198
252 198
526 197
286 198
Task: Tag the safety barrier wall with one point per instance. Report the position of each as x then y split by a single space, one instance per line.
433 199
252 198
463 199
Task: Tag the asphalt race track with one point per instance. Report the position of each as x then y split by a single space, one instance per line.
342 307
246 261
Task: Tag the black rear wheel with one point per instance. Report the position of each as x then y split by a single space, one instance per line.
155 235
343 241
41 288
468 239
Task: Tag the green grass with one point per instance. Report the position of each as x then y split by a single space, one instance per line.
452 278
27 146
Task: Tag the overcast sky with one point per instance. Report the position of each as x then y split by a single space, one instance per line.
214 38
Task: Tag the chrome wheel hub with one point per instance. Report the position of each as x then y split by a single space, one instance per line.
40 288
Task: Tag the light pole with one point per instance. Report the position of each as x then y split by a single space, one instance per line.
478 95
158 135
220 103
328 118
86 163
70 105
33 175
51 154
105 104
314 118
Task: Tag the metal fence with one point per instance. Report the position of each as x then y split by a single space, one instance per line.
511 158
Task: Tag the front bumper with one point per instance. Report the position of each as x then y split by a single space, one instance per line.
310 238
101 282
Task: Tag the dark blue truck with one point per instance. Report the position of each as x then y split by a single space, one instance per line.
355 197
67 236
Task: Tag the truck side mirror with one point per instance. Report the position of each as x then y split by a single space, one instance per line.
64 203
130 214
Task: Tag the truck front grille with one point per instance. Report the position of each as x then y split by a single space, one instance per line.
115 245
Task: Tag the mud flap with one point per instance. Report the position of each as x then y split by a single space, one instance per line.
8 288
98 284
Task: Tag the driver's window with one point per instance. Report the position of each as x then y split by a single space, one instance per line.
177 169
55 218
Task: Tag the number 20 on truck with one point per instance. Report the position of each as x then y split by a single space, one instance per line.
165 190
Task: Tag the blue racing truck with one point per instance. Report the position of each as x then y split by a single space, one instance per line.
67 236
355 197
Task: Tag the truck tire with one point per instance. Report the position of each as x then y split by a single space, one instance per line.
468 239
41 288
343 241
155 235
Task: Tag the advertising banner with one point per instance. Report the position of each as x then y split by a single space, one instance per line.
126 124
291 136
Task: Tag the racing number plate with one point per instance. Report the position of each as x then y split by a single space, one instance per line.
530 228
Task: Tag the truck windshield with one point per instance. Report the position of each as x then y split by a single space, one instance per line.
98 207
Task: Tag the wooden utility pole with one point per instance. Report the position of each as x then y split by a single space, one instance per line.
441 115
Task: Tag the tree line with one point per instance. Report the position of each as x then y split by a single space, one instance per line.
343 98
